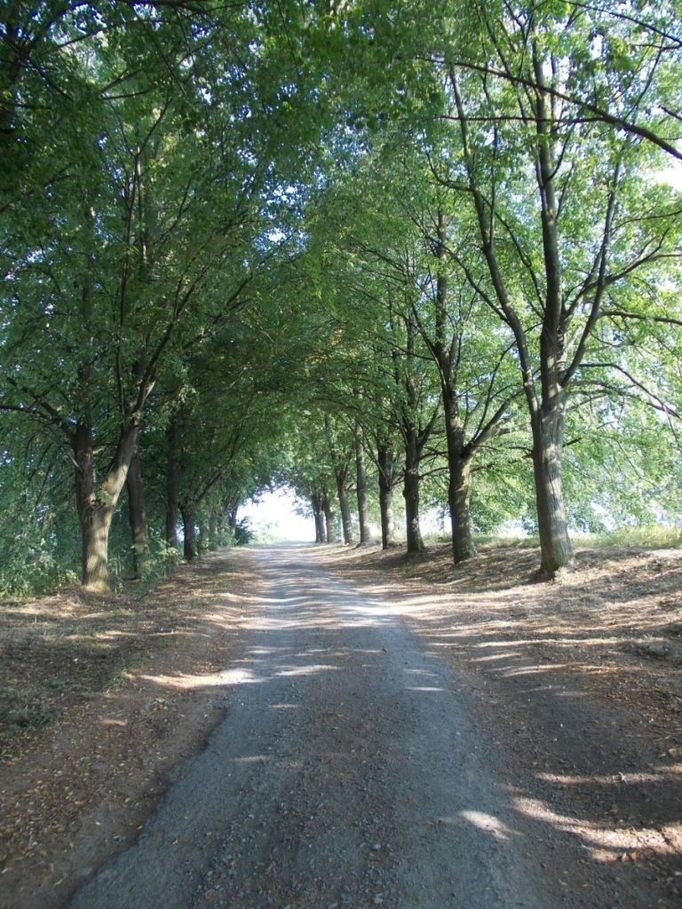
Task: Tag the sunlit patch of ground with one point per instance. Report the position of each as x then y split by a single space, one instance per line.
579 682
614 621
101 695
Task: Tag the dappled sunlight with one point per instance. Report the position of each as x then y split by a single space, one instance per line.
599 624
307 670
424 688
253 759
522 649
670 772
510 638
561 641
604 844
210 680
488 823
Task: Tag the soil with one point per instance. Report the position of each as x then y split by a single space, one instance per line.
385 731
100 697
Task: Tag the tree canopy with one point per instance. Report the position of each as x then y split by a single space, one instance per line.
355 247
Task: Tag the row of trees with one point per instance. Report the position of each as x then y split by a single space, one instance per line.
229 259
137 216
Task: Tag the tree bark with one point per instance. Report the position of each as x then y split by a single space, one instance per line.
213 530
459 482
329 519
318 515
172 486
97 503
189 531
344 506
415 543
203 540
232 521
555 545
386 465
137 515
361 483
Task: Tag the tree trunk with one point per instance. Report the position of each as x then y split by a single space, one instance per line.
329 519
320 532
555 545
386 461
203 543
459 483
172 486
318 514
189 531
387 519
361 482
96 504
459 493
213 541
415 542
137 515
344 506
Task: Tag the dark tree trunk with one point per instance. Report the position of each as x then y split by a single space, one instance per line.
361 482
318 514
459 494
415 542
555 545
414 439
189 531
232 520
213 530
459 482
97 503
387 517
344 506
95 517
203 541
329 519
385 460
137 515
320 533
172 486
222 528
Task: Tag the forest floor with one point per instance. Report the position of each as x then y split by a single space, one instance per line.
535 755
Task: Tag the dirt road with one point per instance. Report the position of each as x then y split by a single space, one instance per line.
356 768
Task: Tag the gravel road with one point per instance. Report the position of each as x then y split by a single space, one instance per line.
351 770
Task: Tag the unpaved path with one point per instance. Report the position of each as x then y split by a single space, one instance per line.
356 768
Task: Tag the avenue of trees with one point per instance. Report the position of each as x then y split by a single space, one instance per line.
386 252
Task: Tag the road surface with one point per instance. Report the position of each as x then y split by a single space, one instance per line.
352 770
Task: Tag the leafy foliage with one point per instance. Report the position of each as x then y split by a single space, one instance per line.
210 220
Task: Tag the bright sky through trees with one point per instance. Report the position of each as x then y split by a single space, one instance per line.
275 515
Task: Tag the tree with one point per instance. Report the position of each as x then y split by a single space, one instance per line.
570 268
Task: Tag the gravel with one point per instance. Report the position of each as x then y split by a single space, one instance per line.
352 770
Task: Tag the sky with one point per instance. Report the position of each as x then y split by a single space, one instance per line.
274 518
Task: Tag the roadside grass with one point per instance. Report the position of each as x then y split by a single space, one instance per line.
650 536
